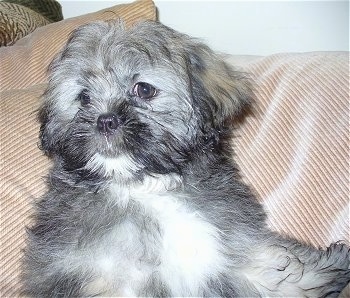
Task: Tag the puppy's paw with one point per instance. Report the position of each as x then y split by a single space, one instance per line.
334 266
338 254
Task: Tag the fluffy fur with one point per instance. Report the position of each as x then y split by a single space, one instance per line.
144 198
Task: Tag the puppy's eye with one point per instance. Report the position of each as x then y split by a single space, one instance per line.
144 90
84 97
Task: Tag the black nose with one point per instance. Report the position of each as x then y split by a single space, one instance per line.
108 123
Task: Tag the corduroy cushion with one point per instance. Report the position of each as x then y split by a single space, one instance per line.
294 147
22 81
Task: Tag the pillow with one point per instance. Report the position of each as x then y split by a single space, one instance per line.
18 18
293 148
50 9
23 79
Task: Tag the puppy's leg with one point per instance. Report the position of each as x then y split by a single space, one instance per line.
282 267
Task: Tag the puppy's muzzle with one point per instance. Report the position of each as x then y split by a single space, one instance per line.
107 124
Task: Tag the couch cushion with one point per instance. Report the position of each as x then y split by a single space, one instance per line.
23 166
293 148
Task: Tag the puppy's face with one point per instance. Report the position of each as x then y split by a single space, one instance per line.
124 102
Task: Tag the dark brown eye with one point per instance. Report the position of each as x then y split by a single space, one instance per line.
144 90
84 97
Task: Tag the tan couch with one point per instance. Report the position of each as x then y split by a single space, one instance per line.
293 147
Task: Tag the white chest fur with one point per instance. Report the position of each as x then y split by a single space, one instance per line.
189 246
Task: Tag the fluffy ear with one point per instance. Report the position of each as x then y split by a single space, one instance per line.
48 130
221 91
45 135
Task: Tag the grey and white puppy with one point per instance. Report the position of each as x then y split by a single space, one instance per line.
144 198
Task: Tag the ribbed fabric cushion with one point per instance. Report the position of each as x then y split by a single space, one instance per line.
22 165
294 146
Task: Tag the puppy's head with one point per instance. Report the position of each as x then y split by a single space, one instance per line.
121 102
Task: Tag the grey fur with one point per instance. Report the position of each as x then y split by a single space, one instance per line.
152 203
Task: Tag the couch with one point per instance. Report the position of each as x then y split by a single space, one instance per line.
292 147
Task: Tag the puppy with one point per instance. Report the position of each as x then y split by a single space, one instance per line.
144 198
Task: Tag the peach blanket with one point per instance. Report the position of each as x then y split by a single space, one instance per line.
294 147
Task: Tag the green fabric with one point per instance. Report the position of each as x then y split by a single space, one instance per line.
18 18
50 9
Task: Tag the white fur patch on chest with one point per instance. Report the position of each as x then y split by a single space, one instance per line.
185 256
119 167
190 245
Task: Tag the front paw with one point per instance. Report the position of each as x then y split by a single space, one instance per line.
338 254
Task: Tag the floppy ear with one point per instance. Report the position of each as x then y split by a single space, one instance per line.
222 92
46 140
48 130
45 133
